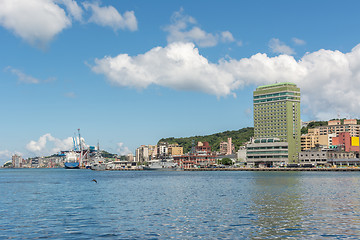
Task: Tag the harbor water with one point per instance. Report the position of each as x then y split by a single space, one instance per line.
67 204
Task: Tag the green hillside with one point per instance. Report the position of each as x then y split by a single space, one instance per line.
311 125
239 137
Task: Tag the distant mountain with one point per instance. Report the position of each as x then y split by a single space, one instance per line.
239 137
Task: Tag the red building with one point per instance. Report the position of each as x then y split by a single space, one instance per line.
344 141
202 157
193 160
203 147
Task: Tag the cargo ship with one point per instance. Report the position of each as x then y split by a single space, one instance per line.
71 160
74 158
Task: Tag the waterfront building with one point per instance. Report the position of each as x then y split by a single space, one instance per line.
335 126
277 115
199 157
152 151
333 157
326 140
267 152
203 147
227 148
162 149
345 142
35 162
130 157
241 154
223 148
310 140
16 161
313 158
142 154
195 160
175 149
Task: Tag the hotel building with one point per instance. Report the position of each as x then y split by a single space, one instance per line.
277 115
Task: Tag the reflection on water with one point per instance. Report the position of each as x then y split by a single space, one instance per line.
277 205
306 205
66 204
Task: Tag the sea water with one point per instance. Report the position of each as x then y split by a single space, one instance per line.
67 204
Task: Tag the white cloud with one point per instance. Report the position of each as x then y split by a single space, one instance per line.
47 145
22 77
279 47
109 16
227 37
328 79
184 29
73 8
177 66
121 149
35 21
39 21
298 41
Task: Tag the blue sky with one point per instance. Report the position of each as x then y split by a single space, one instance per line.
131 72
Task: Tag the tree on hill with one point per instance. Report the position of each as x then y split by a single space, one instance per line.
312 125
239 137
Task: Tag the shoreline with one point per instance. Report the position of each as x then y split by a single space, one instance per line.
277 169
343 169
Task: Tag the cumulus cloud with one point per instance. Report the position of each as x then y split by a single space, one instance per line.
298 41
109 16
328 79
39 21
35 21
279 47
122 149
184 29
177 66
47 145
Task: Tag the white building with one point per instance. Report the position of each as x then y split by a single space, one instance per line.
17 161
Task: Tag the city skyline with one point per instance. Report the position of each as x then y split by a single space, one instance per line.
129 73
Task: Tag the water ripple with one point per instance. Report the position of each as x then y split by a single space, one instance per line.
60 204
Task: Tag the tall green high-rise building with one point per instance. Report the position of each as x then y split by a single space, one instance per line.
277 115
